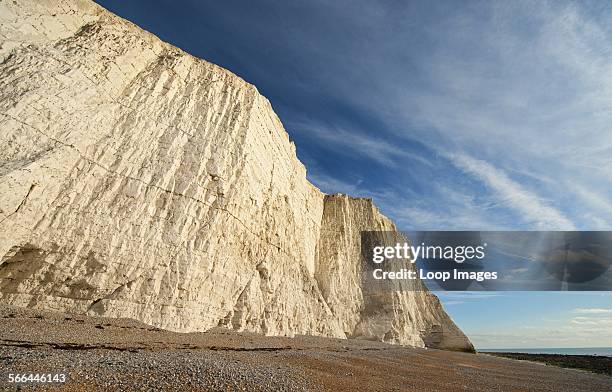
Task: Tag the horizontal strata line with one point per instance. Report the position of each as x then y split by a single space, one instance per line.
106 346
66 346
175 346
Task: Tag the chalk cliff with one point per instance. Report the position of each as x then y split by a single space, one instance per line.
139 181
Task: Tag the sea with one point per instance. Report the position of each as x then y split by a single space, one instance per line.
599 351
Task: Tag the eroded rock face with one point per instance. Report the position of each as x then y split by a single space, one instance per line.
139 181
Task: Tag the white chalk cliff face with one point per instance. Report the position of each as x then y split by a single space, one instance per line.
139 181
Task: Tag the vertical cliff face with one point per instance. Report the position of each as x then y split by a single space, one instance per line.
402 312
138 181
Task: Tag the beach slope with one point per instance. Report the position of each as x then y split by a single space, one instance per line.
99 353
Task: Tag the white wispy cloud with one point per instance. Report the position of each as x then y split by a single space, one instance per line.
452 303
528 204
597 208
593 310
329 184
592 322
362 144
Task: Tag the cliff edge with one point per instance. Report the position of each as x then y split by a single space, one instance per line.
139 181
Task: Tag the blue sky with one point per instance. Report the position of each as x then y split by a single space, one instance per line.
453 115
